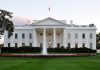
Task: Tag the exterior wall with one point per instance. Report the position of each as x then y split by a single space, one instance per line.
37 38
80 40
19 40
59 38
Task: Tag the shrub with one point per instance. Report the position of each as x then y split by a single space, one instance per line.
27 49
82 50
62 49
72 50
20 49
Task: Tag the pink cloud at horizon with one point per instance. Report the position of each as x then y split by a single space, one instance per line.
21 20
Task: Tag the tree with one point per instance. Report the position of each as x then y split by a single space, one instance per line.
98 40
6 23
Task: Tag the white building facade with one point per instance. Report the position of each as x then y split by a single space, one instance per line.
53 33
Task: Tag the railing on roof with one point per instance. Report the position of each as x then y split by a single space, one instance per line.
68 25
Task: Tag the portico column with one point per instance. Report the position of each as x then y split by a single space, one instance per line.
54 38
34 38
44 49
64 38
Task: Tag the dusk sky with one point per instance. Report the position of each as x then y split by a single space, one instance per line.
82 12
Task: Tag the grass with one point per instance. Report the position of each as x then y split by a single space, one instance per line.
66 63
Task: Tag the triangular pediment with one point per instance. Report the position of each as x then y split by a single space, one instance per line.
49 21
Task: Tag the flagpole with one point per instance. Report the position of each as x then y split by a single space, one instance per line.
49 9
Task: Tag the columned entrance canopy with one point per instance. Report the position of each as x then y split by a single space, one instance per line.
50 33
53 37
54 31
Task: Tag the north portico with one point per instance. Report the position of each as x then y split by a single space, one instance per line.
50 37
52 33
49 32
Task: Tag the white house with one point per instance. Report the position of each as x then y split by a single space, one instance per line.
50 32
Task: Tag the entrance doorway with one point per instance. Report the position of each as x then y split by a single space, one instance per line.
58 45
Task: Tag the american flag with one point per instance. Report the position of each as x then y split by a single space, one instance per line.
49 8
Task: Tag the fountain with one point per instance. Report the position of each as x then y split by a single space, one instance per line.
44 50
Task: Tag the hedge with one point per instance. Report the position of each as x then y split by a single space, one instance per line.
20 49
38 49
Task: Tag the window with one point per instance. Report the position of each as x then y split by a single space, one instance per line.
30 44
91 45
91 35
49 34
69 35
16 45
16 36
83 45
30 36
76 35
0 37
69 45
23 36
8 44
8 35
23 44
58 34
41 34
76 45
83 35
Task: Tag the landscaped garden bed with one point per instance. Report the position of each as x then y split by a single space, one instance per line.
52 52
49 55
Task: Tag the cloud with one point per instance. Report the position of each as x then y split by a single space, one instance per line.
21 21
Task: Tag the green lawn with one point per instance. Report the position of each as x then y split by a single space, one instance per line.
67 63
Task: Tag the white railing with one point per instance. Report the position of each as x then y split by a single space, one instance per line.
80 26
